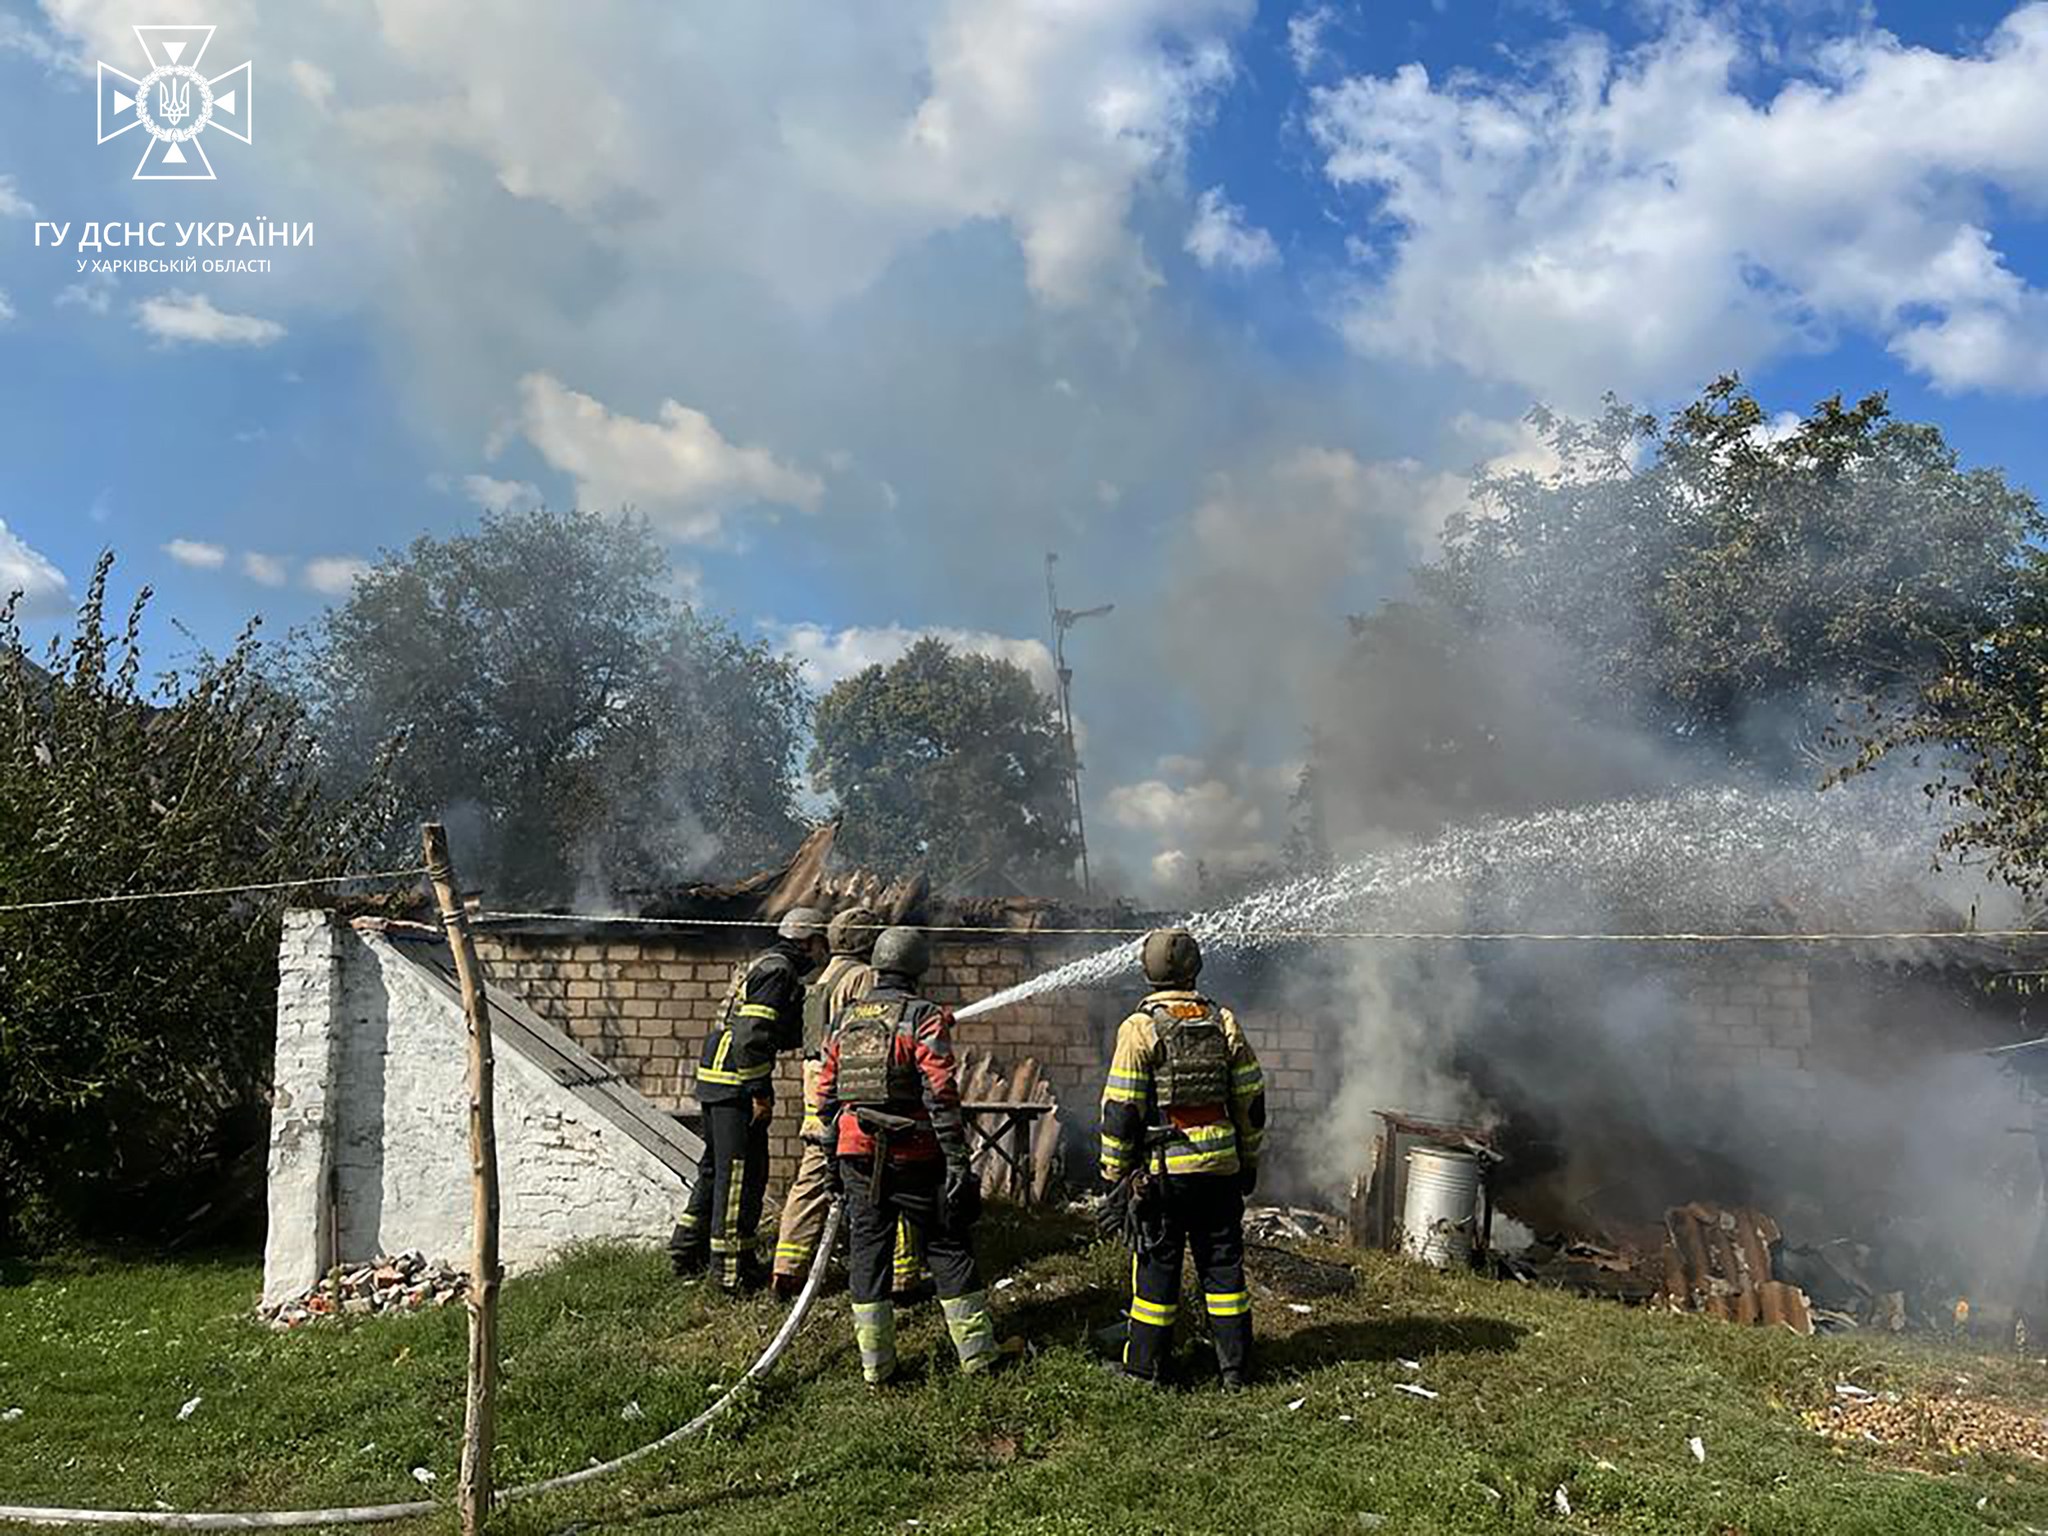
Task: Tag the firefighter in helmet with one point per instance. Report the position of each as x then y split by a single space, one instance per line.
889 1110
763 1015
1183 1117
846 978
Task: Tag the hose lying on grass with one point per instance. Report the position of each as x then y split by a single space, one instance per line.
369 1514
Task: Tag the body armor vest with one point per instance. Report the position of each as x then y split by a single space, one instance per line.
872 1072
1193 1070
818 1003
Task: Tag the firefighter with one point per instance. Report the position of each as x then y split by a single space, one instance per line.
889 1108
763 1014
846 978
1183 1117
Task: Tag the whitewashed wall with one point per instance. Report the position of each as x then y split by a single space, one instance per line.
369 1147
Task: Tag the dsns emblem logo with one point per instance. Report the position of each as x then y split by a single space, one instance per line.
174 104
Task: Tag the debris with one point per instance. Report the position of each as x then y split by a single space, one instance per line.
12 1415
422 1476
1415 1390
1006 1282
1272 1223
1850 1389
1698 1447
632 1410
1718 1261
402 1282
1345 1418
1409 1365
1561 1501
1296 1404
1604 1465
191 1407
1370 1522
1300 1306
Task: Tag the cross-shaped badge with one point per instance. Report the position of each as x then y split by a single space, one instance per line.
174 103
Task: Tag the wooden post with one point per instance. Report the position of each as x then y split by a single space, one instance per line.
480 1408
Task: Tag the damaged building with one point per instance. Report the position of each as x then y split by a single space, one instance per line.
1833 1102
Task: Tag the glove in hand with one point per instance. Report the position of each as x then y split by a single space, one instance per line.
961 1196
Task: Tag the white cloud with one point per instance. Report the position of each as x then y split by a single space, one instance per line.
830 656
334 575
191 317
1219 237
43 589
1634 222
268 570
95 295
888 126
12 204
7 310
199 556
502 495
1051 117
312 82
677 471
1191 825
1305 36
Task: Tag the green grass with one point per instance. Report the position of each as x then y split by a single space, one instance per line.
1537 1391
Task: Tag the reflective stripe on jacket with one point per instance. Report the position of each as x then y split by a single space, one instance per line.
1218 1140
763 1015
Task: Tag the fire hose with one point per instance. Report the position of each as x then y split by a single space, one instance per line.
370 1514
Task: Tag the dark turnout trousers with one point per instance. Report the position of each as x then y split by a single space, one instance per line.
725 1206
910 1201
1204 1213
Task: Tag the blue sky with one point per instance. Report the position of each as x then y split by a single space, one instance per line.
1222 299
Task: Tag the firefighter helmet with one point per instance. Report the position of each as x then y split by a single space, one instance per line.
1171 957
801 923
902 952
852 932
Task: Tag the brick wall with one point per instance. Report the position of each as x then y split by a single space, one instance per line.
642 998
1741 1020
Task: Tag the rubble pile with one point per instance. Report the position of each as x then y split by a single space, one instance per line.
1272 1223
1719 1261
393 1282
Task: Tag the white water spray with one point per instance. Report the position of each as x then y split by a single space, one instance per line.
1711 860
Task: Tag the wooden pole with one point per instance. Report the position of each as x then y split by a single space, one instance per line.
480 1407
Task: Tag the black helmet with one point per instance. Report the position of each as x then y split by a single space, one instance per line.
902 952
1171 957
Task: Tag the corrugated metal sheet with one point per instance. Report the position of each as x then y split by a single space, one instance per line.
1718 1261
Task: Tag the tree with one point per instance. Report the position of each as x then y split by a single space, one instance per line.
1720 593
951 762
581 729
1984 726
133 1036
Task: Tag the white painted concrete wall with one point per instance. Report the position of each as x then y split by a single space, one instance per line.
370 1134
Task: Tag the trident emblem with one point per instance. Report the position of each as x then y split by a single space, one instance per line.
174 103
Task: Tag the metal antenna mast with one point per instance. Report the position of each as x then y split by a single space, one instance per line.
1064 619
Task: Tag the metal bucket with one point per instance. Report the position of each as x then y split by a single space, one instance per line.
1441 1208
